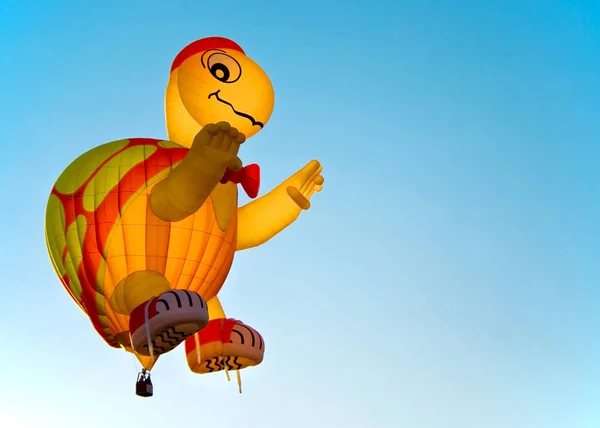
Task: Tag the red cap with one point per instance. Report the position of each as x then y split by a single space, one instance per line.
204 45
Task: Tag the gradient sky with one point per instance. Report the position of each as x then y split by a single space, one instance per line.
446 277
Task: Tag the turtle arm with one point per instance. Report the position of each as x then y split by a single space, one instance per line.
263 218
187 187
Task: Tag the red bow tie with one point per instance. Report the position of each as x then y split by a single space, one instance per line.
248 177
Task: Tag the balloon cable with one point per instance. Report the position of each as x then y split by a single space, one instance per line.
198 350
148 337
225 362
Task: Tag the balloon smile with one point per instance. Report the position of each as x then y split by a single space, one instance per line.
246 115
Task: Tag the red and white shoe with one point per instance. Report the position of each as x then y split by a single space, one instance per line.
225 344
166 321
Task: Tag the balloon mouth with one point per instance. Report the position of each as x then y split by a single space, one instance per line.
239 113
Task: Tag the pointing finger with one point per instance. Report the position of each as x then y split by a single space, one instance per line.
309 169
311 178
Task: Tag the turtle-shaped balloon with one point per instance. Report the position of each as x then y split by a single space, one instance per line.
142 232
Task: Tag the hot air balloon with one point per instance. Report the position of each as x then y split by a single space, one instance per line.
142 232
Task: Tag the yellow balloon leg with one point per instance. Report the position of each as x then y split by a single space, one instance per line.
136 289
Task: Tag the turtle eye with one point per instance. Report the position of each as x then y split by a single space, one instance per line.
223 67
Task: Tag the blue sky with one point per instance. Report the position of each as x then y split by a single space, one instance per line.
446 277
